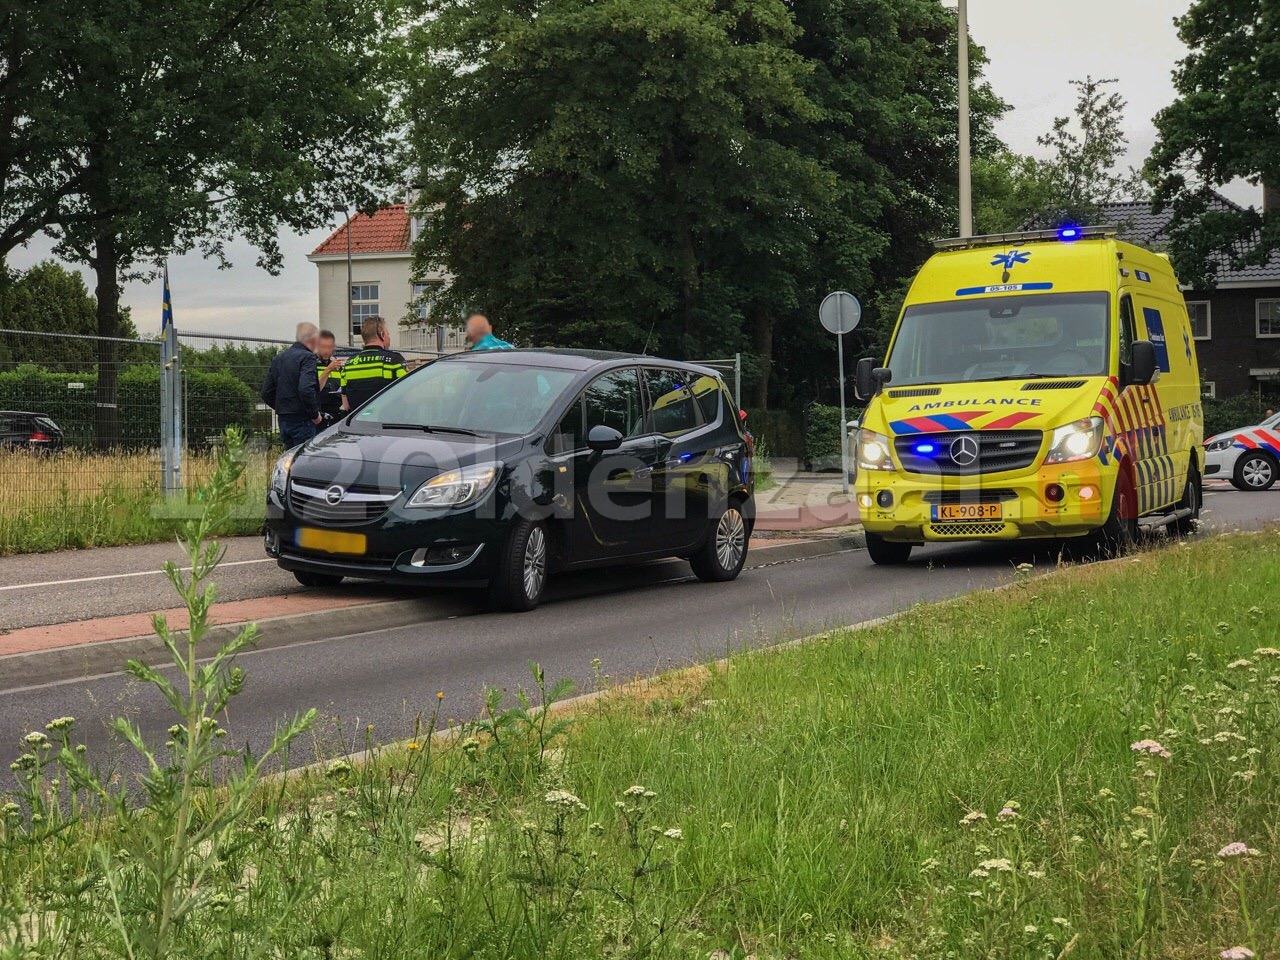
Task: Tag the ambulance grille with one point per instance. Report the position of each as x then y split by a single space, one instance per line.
914 392
967 529
1054 385
999 451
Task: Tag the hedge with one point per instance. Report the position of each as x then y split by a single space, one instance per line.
822 435
214 402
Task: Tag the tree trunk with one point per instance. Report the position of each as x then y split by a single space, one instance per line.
106 427
762 342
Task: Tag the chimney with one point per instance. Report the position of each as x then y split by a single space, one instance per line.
1270 200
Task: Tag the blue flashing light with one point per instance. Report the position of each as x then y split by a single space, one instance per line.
1067 234
686 457
925 448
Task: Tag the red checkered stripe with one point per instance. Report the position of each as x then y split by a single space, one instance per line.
1266 439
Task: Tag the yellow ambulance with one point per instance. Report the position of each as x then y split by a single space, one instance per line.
1038 385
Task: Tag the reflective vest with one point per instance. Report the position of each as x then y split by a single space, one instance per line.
368 372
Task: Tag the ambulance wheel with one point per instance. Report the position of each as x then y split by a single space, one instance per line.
1255 470
310 579
887 553
1192 499
1118 535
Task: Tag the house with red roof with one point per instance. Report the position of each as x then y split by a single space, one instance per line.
365 269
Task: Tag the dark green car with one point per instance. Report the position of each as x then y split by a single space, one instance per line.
497 469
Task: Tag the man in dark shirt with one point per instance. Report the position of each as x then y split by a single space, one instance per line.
366 374
292 388
329 367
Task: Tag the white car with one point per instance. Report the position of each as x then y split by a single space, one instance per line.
1248 457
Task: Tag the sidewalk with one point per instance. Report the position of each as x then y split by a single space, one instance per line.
804 502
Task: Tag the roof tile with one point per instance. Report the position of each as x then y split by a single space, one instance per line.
386 231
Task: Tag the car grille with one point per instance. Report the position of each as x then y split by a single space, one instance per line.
1054 385
967 529
998 451
374 563
964 497
359 503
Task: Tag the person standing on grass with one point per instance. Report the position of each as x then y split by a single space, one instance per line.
480 335
292 387
373 368
328 368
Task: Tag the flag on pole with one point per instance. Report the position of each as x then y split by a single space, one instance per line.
166 317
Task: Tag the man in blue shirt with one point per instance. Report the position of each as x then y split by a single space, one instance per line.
292 388
480 334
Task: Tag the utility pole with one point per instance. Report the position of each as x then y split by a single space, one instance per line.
350 292
966 180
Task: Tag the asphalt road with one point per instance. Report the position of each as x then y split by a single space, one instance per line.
632 624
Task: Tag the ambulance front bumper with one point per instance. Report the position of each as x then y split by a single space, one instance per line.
1069 501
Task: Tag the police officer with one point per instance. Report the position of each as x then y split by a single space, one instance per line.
373 368
329 368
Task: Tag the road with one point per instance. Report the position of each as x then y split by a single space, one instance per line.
632 624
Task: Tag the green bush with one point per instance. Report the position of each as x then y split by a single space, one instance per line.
1242 410
783 428
822 435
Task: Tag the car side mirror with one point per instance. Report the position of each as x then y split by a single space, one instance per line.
868 378
1142 365
601 438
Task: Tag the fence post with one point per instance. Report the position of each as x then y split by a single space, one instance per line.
737 379
170 413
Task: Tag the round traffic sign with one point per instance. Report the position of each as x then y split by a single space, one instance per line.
840 313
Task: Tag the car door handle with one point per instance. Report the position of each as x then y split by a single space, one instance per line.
642 473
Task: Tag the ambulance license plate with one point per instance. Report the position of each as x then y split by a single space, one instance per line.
942 512
331 541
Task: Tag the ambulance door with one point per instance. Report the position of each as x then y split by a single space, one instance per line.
1137 408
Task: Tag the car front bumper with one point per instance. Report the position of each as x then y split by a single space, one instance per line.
1221 464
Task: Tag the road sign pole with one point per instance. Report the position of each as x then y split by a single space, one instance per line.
844 430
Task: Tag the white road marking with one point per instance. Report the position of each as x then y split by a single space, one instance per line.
121 576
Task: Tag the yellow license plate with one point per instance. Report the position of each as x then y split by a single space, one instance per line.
967 511
331 541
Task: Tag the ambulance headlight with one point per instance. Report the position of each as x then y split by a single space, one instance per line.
1076 441
280 475
1217 446
873 451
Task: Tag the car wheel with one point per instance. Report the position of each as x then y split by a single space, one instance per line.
1255 470
1117 536
1193 499
309 579
725 551
887 553
521 577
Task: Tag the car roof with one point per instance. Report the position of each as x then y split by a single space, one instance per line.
567 359
22 413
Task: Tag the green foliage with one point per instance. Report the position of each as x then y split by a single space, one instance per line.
248 364
767 153
822 435
1221 127
1232 413
783 429
215 401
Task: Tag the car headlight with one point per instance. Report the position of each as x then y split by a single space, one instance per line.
873 451
457 488
1216 446
280 475
1076 441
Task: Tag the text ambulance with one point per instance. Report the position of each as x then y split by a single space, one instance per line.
1038 385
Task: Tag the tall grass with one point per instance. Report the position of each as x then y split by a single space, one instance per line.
79 499
1084 765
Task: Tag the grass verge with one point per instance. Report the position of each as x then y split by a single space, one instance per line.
1085 765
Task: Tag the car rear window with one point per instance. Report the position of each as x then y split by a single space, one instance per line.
672 410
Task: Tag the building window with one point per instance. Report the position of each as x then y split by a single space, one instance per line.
1209 390
1269 318
364 304
424 299
1201 319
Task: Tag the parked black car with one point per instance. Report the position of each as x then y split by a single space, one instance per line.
495 469
21 430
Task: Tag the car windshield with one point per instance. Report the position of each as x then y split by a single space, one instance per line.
1002 338
487 398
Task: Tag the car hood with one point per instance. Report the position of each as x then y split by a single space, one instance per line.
395 459
984 405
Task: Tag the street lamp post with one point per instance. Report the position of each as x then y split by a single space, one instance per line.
966 181
350 292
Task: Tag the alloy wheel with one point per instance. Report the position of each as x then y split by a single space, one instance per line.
535 563
1256 472
731 538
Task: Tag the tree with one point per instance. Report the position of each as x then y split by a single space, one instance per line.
1082 173
1223 125
48 298
176 126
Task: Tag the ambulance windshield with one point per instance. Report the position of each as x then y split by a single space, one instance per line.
1002 338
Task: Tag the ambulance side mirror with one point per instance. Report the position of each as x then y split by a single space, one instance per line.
1142 366
868 378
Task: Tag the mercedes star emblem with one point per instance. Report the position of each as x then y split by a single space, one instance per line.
964 451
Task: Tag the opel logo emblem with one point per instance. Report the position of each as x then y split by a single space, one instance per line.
333 496
964 451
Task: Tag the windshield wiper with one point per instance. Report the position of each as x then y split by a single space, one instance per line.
429 428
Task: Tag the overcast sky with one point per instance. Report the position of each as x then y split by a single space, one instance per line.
1035 48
